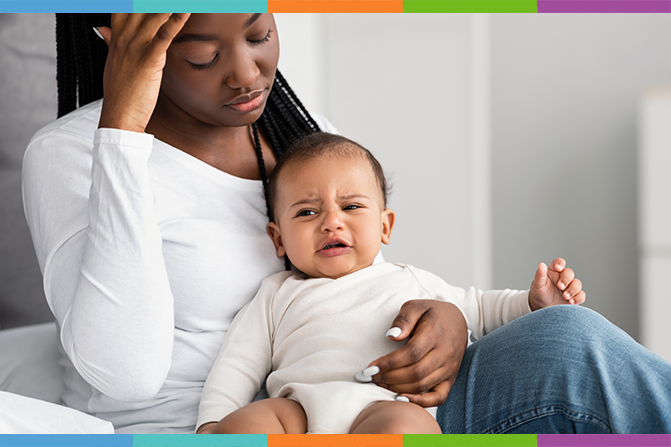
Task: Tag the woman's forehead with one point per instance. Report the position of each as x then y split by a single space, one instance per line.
210 22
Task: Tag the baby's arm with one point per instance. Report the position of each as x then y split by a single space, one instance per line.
244 360
555 285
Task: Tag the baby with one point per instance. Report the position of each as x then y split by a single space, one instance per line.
312 331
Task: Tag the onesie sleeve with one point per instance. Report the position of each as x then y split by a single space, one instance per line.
484 311
245 357
91 215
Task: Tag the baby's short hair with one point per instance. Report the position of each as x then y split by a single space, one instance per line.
315 145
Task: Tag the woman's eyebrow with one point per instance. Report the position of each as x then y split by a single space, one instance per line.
252 19
195 38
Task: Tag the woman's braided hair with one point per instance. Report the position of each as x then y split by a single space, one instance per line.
80 64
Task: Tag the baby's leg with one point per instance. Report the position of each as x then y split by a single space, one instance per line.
395 417
267 416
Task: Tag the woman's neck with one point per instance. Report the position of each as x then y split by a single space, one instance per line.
229 149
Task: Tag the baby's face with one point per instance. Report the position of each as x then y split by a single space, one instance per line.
330 216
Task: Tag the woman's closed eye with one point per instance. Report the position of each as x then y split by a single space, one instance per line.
204 66
257 41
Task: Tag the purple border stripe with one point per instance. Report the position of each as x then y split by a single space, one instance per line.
559 6
604 440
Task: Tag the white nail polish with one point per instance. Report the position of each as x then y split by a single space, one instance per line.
402 399
95 30
393 332
360 377
371 371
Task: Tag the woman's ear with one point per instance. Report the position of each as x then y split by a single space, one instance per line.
388 218
274 232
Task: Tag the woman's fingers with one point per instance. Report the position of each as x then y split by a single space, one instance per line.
169 29
419 377
431 356
432 398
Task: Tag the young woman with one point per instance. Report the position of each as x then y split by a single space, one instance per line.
148 218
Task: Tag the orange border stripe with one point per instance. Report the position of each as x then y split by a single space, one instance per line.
335 440
349 6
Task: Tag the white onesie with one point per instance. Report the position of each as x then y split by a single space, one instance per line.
314 334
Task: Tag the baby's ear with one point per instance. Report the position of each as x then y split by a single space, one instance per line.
274 232
388 218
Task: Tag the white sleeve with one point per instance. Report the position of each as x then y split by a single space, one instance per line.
92 219
245 358
484 311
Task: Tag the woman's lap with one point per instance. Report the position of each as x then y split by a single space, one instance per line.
564 369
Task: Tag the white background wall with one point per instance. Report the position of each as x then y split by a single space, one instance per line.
562 140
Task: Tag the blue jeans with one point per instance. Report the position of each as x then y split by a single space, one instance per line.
564 369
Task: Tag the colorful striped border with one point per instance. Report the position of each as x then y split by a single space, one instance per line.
336 440
340 6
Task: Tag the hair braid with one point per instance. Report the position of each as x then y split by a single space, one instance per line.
80 60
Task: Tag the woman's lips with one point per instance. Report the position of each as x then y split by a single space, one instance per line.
247 103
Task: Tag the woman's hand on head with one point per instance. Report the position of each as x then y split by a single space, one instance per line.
425 368
137 53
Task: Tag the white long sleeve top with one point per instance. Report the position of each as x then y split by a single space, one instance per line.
317 330
147 254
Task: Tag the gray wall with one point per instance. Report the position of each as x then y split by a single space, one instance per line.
565 92
27 102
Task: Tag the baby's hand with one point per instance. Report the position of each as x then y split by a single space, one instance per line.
555 285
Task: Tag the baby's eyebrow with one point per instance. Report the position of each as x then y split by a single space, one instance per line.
352 196
307 201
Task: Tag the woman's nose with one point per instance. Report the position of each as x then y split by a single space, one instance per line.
242 70
332 222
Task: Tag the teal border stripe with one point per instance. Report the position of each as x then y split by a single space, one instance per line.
200 440
200 6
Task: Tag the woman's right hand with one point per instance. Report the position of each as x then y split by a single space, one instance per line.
137 53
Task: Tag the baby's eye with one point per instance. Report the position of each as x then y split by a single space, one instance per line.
351 207
306 213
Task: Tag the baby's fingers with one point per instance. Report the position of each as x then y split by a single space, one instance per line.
573 293
565 278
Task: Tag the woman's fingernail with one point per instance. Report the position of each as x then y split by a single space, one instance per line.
393 332
370 371
95 30
360 377
402 399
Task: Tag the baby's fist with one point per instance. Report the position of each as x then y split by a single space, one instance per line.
555 285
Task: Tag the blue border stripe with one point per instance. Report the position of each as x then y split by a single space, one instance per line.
66 440
51 6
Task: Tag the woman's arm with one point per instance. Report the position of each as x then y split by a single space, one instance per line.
89 205
92 219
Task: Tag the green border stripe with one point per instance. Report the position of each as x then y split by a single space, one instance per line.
469 441
470 6
200 6
200 440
